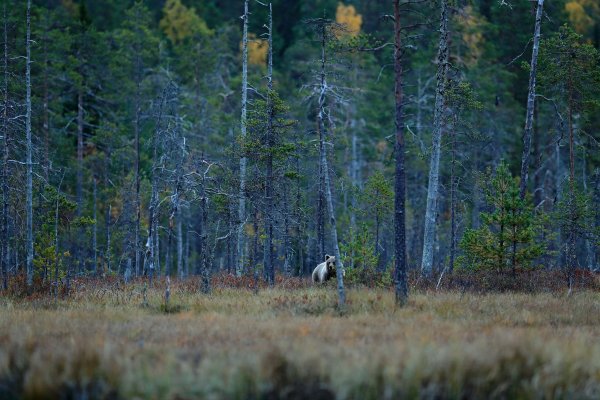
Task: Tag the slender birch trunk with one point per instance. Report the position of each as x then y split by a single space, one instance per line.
327 180
79 183
268 253
5 231
29 190
401 287
136 129
177 209
453 197
56 243
243 160
179 229
95 227
530 101
107 253
434 166
153 209
46 97
108 210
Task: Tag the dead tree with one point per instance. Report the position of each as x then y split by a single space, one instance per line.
5 195
401 287
243 160
327 31
436 147
29 162
530 101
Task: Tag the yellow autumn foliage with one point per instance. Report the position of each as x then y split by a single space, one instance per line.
348 16
257 50
470 27
180 22
583 14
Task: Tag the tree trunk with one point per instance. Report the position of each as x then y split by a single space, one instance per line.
56 248
29 190
169 244
321 213
107 252
243 160
596 201
107 217
328 196
186 259
401 290
438 124
570 253
46 97
268 214
530 101
95 227
79 188
152 242
453 198
5 231
205 267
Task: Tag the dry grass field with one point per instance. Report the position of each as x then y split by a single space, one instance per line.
122 343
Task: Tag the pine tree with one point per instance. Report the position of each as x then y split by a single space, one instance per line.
509 235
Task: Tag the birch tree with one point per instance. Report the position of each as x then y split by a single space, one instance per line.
29 162
431 210
268 254
327 31
243 160
5 194
530 101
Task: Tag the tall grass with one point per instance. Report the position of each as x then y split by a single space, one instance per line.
234 344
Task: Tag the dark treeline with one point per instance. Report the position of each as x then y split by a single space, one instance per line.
156 137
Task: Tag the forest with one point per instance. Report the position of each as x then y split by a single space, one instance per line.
244 190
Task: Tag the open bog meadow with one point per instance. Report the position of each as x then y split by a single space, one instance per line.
120 342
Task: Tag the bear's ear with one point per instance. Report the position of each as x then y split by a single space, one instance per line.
327 257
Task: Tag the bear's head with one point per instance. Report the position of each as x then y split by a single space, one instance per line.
330 263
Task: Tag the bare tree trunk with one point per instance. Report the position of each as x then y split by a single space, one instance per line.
46 96
400 177
453 198
321 213
5 231
530 101
268 254
243 160
29 196
95 227
596 200
108 211
255 251
328 192
203 233
186 259
178 222
152 242
169 245
56 248
286 233
571 253
434 166
79 188
107 253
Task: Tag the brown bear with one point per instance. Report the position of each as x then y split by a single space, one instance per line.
325 270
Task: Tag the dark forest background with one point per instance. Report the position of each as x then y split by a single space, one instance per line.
170 74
